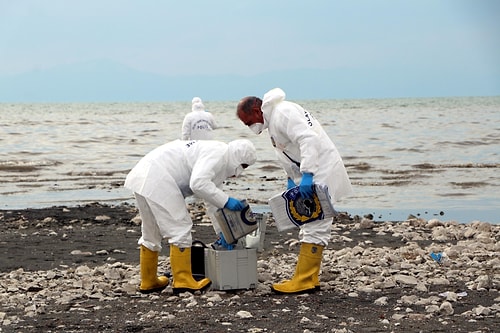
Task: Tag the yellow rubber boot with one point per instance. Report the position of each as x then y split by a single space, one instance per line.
305 279
150 282
315 278
180 261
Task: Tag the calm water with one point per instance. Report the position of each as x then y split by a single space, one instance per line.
428 157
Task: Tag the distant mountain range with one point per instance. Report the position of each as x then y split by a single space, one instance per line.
105 81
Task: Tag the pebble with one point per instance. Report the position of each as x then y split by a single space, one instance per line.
244 314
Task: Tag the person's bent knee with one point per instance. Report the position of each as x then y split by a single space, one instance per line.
150 245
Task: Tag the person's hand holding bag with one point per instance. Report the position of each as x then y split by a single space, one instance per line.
306 185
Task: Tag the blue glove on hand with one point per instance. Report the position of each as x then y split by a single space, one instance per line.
223 243
306 185
291 184
234 204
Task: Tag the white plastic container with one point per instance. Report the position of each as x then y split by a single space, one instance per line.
231 269
236 224
291 210
255 239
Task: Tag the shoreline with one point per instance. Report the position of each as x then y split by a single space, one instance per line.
462 216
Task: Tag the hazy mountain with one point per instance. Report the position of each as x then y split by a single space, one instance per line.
106 81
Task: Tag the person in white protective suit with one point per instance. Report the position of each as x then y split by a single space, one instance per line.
161 181
308 156
198 124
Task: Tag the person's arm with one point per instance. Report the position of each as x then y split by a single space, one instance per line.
214 122
186 128
204 171
303 131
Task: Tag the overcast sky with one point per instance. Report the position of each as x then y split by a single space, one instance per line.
253 37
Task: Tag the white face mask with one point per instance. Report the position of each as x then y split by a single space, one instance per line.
257 128
238 170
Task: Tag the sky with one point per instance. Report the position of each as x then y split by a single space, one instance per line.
449 46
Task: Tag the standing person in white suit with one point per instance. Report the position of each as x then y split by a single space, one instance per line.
199 123
161 181
308 156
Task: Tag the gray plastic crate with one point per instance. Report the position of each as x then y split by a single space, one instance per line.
231 269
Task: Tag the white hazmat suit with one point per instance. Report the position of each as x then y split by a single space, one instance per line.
302 146
198 124
168 174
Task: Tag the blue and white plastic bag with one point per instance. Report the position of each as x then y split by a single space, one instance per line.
291 210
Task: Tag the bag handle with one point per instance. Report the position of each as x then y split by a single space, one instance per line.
199 243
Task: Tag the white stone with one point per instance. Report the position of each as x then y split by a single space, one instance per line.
451 297
381 300
439 281
244 314
398 316
405 279
481 311
432 308
446 308
409 299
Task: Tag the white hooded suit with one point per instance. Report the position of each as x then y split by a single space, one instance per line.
303 146
168 174
198 124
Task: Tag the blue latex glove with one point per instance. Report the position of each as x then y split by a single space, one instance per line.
291 184
234 204
224 243
306 185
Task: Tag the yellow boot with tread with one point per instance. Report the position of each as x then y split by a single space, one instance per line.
180 262
305 278
150 282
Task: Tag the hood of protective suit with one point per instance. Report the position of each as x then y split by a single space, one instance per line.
196 100
198 107
271 98
240 152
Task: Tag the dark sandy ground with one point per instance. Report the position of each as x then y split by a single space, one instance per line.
26 243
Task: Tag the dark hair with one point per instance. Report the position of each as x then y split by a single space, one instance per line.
247 104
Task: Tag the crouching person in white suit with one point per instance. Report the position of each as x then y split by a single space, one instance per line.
161 181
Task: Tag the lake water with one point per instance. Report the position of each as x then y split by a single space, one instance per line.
430 157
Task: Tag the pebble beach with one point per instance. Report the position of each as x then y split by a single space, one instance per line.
77 269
